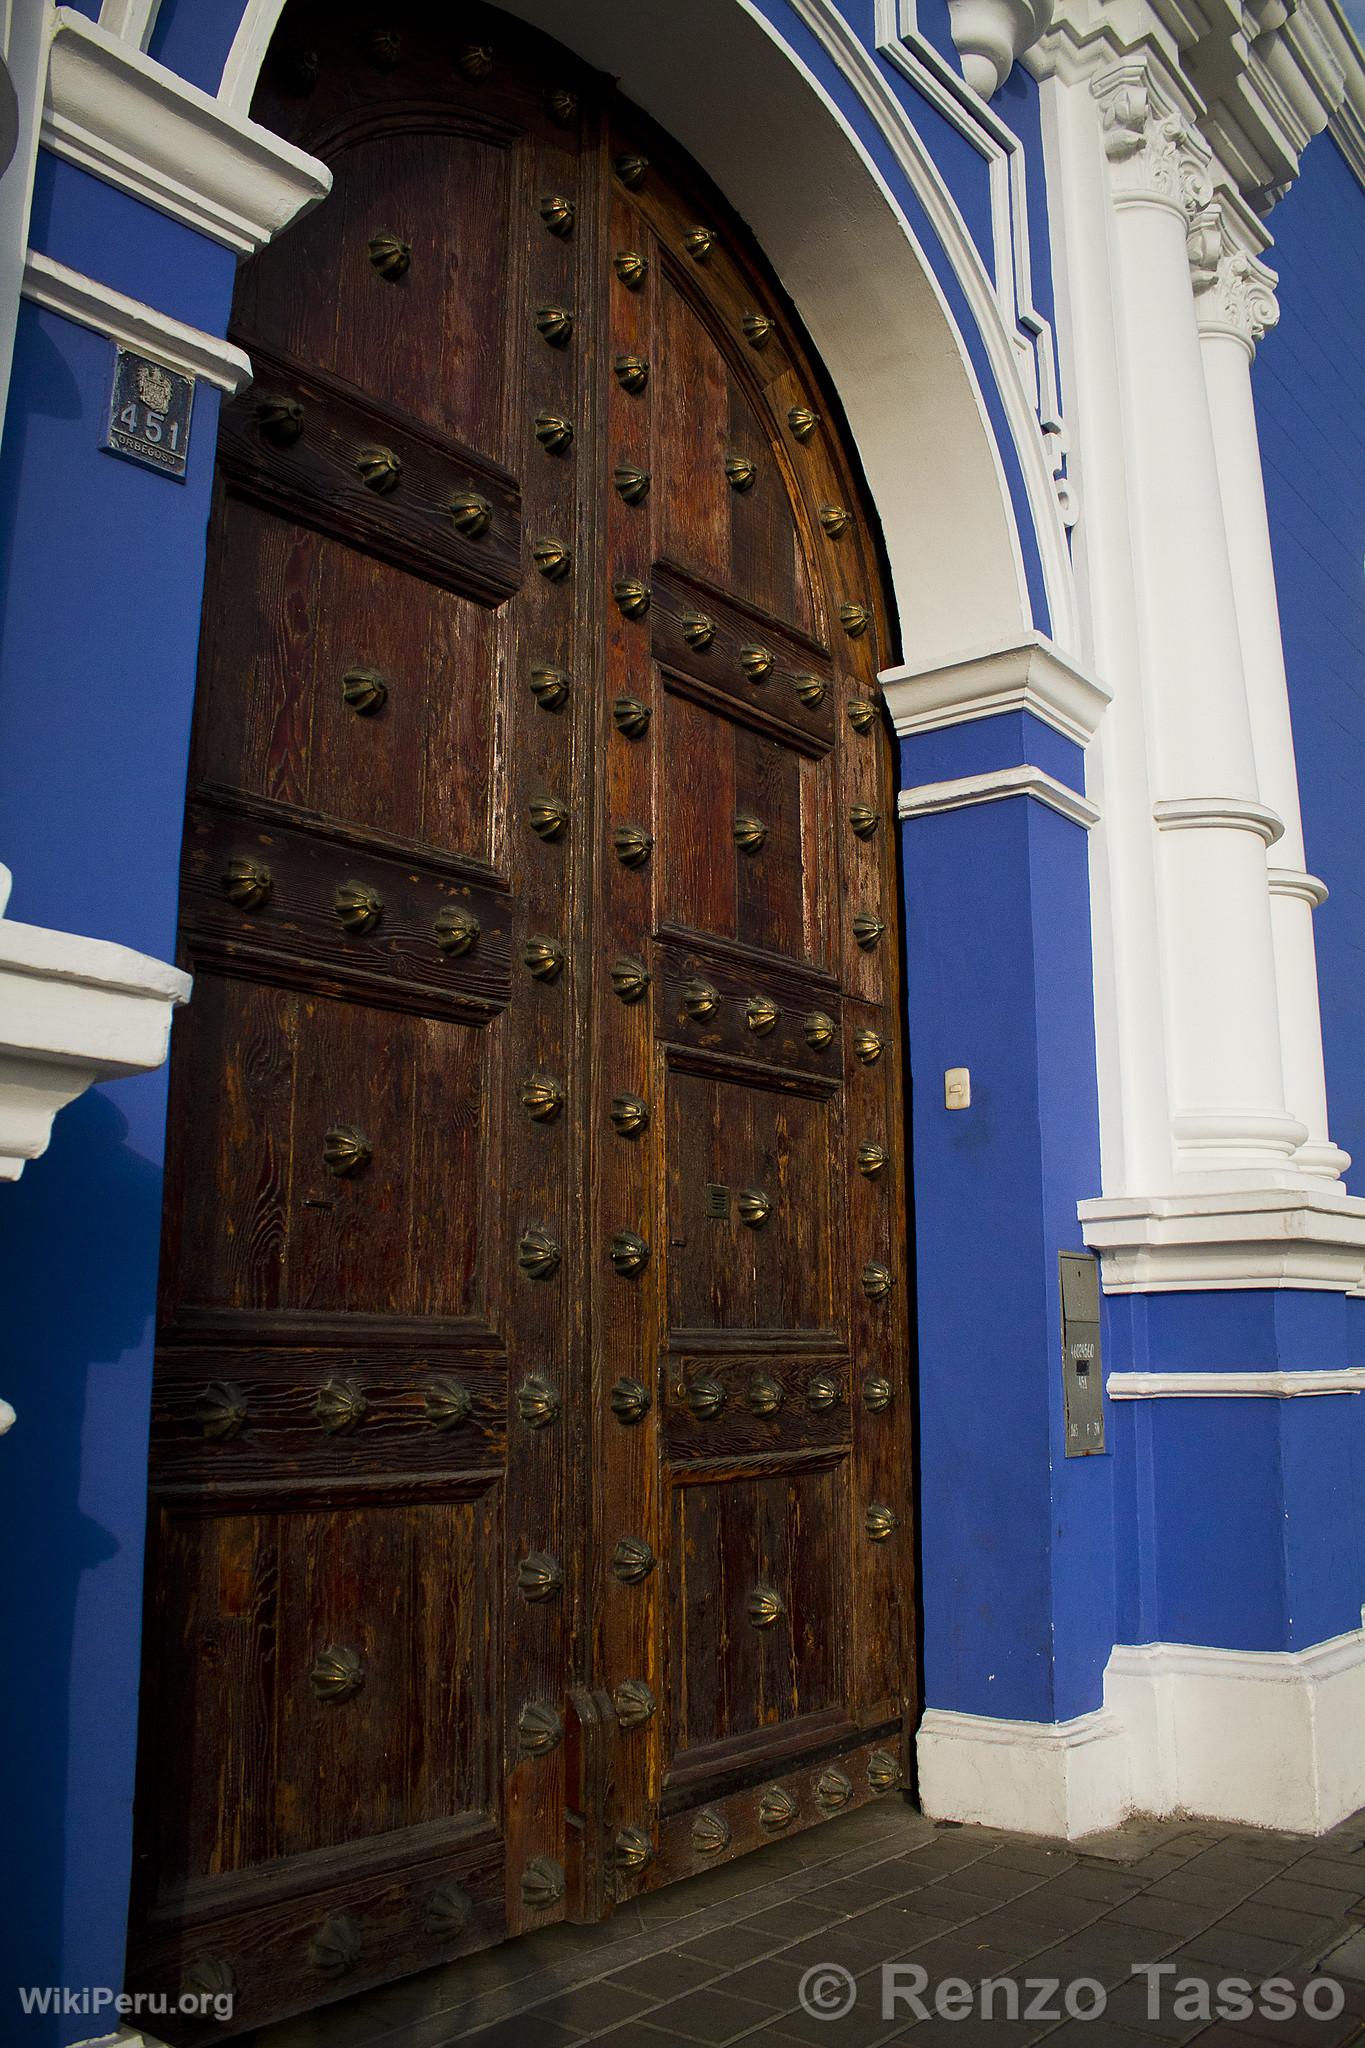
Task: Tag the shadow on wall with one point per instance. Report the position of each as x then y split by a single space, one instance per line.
78 1249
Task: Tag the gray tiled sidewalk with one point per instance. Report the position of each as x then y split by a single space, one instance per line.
722 1957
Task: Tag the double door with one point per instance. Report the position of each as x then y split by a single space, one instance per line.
530 1460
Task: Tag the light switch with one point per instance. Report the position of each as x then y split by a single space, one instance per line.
957 1088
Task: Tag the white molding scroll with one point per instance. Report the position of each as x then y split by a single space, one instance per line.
58 289
1234 1384
961 791
73 1011
1030 675
1257 1237
115 113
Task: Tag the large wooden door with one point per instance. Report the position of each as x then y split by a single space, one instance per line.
530 1456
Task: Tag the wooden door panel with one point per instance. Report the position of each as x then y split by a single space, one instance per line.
276 1607
739 1537
739 855
742 537
750 1205
272 1226
451 198
416 739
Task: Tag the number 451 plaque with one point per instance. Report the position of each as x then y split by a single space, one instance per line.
149 414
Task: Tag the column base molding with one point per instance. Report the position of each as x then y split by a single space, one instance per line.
1263 1737
1278 1236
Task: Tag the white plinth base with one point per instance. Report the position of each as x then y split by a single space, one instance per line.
1062 1778
1269 1738
1271 1236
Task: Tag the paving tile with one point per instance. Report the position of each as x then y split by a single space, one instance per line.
944 1902
855 1894
1108 1887
1251 1953
590 2007
1171 1916
1282 1923
772 1983
666 1975
1346 1958
1100 2033
989 1880
1072 1959
793 1918
895 1932
836 1945
525 2031
955 1957
710 2016
862 2028
1304 2029
730 1948
1026 1855
1304 1896
1051 1905
1195 1882
1131 2006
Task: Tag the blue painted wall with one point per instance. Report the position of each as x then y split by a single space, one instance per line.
1309 380
1017 1540
100 572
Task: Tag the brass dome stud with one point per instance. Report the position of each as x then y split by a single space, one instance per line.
390 256
247 883
557 212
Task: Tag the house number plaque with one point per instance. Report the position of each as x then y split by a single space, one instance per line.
149 414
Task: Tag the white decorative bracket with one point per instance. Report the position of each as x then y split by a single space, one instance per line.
991 34
73 1011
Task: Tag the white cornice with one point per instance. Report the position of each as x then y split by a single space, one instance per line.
1271 1237
1029 675
1347 123
139 127
127 321
72 1011
1258 87
1211 1386
962 791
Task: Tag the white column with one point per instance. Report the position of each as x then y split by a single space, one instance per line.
1236 304
1228 1114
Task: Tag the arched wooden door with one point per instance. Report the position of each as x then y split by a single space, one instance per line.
530 1459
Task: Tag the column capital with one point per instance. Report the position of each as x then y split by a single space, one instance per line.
1234 291
1157 156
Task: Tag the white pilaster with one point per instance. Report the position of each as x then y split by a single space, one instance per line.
1228 1108
1235 300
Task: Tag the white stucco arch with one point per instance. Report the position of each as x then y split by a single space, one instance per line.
718 77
